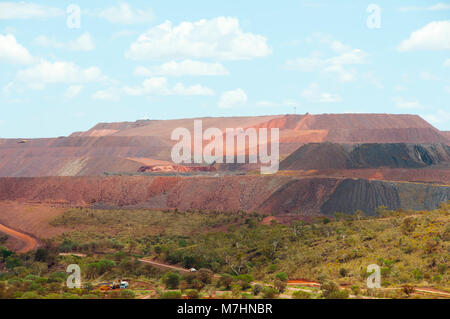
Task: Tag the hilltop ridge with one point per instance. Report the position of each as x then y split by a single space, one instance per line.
126 146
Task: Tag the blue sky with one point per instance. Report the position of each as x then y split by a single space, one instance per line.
172 59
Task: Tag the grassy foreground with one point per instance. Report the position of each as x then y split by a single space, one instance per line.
249 259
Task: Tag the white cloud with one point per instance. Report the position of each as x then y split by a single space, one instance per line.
186 67
160 86
12 52
124 14
447 63
219 38
440 117
435 36
401 103
45 41
45 72
313 93
24 10
73 91
83 43
336 65
109 94
234 98
197 89
436 7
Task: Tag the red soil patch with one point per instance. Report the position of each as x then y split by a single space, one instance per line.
269 219
30 218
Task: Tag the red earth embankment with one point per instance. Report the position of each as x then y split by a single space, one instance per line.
275 194
229 193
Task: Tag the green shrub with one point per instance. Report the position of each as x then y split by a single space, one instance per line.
204 275
244 281
127 294
272 268
270 293
192 294
5 253
225 281
330 290
356 290
171 295
282 276
12 262
257 289
343 272
279 285
245 295
299 294
171 280
30 295
340 294
57 277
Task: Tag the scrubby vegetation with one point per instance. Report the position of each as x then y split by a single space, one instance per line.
236 256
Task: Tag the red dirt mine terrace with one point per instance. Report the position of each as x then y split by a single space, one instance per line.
127 146
176 168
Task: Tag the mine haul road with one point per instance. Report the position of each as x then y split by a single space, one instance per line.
30 243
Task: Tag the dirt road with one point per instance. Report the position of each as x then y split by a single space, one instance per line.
161 265
30 243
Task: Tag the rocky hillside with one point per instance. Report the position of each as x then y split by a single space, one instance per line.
278 195
353 156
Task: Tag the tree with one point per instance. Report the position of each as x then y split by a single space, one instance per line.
257 289
204 275
282 276
244 281
5 253
225 281
280 285
171 280
269 293
41 254
331 290
12 262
